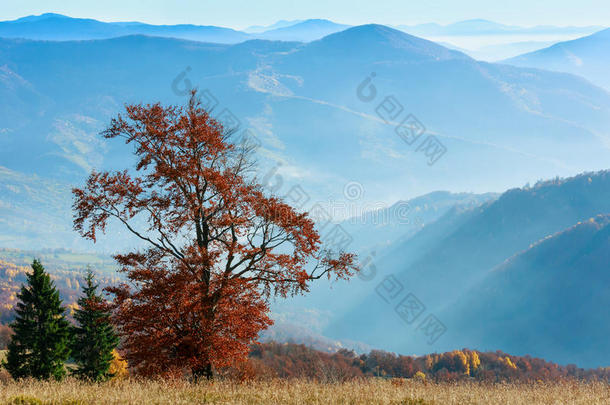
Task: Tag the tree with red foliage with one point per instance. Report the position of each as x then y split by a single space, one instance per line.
217 245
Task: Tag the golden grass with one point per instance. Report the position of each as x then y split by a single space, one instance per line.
370 391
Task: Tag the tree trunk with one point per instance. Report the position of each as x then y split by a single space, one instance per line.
203 372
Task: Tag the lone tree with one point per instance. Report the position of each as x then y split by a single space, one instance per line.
94 338
217 246
40 345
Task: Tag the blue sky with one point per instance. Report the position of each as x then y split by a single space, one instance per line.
243 13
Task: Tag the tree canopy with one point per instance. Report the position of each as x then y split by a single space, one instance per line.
217 244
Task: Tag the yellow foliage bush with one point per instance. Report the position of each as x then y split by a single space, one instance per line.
508 362
475 361
420 376
118 367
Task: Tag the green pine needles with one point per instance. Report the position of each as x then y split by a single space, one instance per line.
94 338
41 342
44 339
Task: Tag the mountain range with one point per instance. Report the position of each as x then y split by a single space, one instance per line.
500 125
481 39
371 235
587 57
278 24
491 41
480 26
57 27
551 299
375 229
369 106
52 26
492 273
304 31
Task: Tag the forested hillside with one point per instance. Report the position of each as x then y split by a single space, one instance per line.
67 271
553 298
447 259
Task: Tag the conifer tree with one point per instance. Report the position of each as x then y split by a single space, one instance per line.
40 344
94 338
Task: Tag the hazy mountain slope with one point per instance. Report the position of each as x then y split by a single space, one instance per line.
277 24
490 41
588 57
496 118
551 300
479 26
498 52
500 125
374 236
58 27
88 85
33 211
36 213
517 120
304 31
379 228
20 100
464 246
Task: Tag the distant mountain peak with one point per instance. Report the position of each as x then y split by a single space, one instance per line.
372 31
257 29
376 37
40 17
304 31
308 24
585 56
317 21
479 25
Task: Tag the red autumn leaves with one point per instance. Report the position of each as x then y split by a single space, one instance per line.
217 245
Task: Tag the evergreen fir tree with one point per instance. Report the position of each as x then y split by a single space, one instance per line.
40 345
94 338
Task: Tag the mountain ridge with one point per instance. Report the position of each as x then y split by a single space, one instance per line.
586 56
529 123
551 296
449 257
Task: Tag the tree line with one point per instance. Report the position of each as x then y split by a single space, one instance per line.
43 339
288 360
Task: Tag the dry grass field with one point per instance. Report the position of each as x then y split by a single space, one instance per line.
301 392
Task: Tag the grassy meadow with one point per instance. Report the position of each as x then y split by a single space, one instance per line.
368 391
